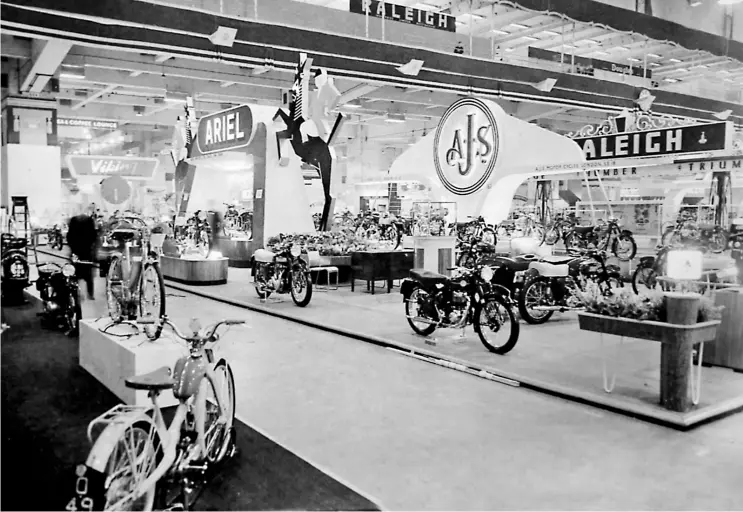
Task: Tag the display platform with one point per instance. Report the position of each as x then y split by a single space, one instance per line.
195 272
237 250
555 358
113 357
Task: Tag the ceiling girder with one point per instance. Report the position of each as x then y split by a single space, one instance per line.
14 48
46 56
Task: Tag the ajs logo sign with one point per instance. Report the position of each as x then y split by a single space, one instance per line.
466 146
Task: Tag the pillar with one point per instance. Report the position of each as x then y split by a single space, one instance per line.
675 354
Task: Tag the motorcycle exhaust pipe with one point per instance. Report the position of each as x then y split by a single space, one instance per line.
561 309
422 320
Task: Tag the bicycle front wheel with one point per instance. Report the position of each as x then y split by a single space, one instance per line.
152 299
218 427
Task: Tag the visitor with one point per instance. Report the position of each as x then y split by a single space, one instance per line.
459 49
82 237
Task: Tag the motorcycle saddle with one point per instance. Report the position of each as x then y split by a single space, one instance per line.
549 270
426 277
485 247
159 379
263 256
557 260
124 234
583 229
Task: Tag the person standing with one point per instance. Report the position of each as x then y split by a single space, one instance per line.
82 237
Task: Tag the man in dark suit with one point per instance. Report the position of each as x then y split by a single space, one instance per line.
82 237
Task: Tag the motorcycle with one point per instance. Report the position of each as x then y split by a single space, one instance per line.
550 284
56 237
646 275
708 237
558 230
377 226
471 251
467 297
58 288
509 272
15 274
281 272
476 228
623 244
196 233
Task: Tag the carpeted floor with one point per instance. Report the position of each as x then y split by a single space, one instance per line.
48 400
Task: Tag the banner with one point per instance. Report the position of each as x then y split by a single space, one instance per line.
227 130
87 123
677 169
586 65
405 14
128 167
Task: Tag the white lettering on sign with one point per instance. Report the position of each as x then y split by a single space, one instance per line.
223 129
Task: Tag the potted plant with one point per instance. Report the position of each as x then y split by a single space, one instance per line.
624 313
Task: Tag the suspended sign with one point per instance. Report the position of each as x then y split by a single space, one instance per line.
133 168
584 64
87 123
677 169
405 14
227 130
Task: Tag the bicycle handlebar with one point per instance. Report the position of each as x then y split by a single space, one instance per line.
210 330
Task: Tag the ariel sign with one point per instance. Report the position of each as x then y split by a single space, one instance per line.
227 130
466 146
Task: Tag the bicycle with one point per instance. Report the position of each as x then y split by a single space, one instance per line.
136 459
125 282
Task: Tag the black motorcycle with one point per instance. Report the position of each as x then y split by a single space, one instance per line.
550 285
472 251
477 229
283 271
648 270
509 272
708 237
602 237
468 297
15 276
56 237
60 300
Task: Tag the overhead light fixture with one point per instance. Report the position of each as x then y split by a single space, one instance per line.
729 2
682 70
395 118
591 41
700 66
675 60
654 64
518 25
695 3
530 38
412 68
509 49
570 46
459 23
670 80
223 36
545 85
633 59
622 48
499 32
138 110
600 52
353 104
551 33
423 6
723 116
654 55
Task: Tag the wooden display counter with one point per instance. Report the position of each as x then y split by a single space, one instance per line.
237 250
195 272
372 266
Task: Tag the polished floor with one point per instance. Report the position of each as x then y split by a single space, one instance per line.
413 436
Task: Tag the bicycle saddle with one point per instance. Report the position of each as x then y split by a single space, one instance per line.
157 380
124 234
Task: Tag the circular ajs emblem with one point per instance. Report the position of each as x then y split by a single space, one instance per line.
466 146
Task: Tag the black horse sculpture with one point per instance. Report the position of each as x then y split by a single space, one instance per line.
313 151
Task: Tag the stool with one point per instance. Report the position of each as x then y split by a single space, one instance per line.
328 271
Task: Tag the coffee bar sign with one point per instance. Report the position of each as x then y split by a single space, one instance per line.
227 130
95 124
666 141
405 14
131 168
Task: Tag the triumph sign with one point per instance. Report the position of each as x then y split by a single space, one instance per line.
666 141
466 146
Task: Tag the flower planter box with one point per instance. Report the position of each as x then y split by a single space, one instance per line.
649 330
677 343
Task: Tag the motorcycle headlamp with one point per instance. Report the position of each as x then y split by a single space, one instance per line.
68 270
295 250
736 244
486 273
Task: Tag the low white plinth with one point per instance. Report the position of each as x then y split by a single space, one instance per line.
112 359
529 245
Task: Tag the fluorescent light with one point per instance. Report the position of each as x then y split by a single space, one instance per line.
702 66
353 104
475 16
674 60
729 2
530 38
724 72
509 49
518 25
393 120
600 52
622 48
459 23
682 70
70 76
654 55
695 3
499 32
654 64
633 59
568 46
670 80
551 33
426 7
591 41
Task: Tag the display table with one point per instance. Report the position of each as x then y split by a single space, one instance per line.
434 253
195 272
727 351
238 251
112 359
372 266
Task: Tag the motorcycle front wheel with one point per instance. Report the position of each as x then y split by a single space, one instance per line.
490 322
718 242
203 245
74 313
489 237
301 288
532 295
152 299
574 244
644 278
412 310
624 247
551 236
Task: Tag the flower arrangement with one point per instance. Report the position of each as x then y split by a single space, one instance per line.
624 303
327 243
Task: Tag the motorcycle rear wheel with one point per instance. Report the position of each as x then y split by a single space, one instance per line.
74 313
412 312
496 306
644 278
540 286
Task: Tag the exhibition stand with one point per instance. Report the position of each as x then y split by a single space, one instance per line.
434 253
202 272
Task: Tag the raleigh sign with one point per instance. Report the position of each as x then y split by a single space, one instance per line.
227 130
131 168
666 141
405 14
466 146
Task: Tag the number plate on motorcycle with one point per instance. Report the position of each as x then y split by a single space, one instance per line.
519 277
88 488
281 260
